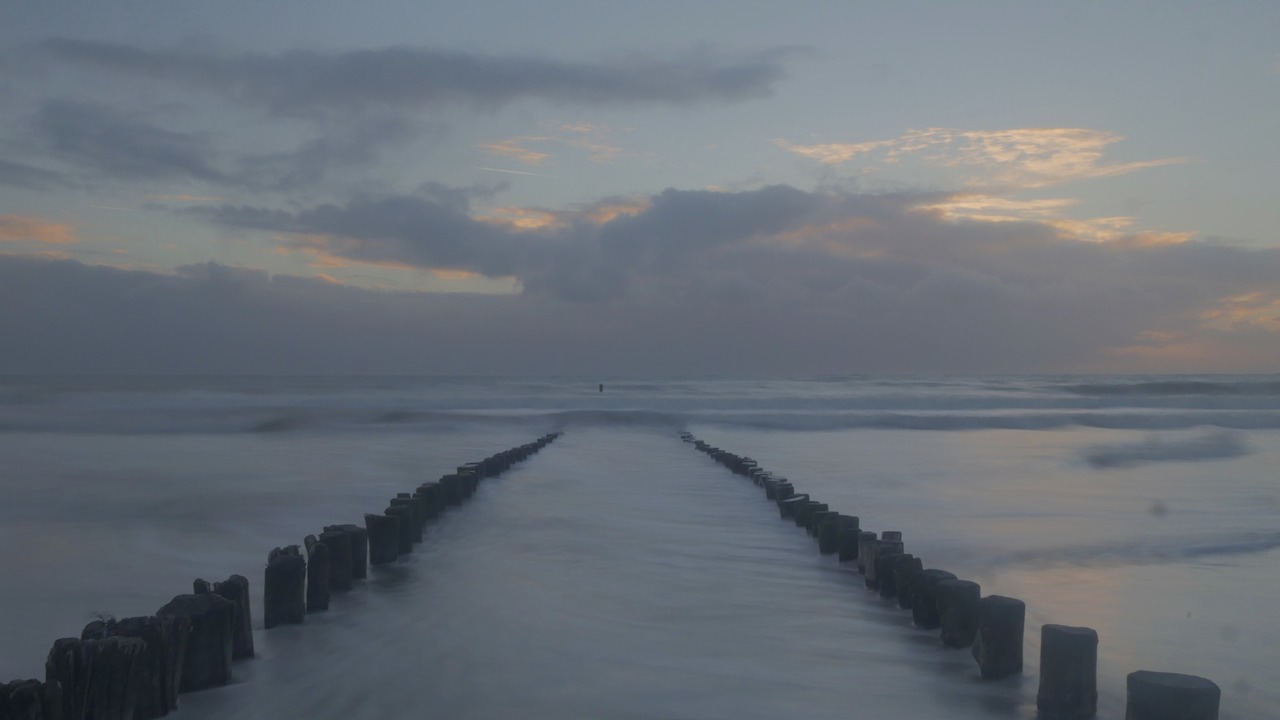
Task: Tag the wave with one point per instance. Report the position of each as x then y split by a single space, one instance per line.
1144 552
284 420
1214 446
1250 387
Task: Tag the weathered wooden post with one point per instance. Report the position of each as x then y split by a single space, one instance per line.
236 590
404 514
30 700
284 588
1170 696
924 598
850 530
317 575
804 510
958 611
1068 673
338 548
905 567
879 549
865 539
998 645
419 515
813 524
384 538
207 660
829 533
787 508
358 537
887 571
67 670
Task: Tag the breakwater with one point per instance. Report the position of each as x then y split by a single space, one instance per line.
990 626
135 668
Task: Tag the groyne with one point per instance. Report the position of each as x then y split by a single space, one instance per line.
136 668
991 626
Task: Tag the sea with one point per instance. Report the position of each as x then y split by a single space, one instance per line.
619 573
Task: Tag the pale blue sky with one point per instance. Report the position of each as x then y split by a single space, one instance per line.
1071 160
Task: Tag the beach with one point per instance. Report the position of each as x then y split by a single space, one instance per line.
621 574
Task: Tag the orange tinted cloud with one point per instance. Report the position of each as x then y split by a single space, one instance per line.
158 197
514 149
1013 158
30 228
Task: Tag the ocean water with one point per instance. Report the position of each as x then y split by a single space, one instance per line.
621 574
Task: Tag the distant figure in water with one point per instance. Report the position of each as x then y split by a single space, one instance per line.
601 387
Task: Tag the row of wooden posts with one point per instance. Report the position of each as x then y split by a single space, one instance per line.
992 626
135 668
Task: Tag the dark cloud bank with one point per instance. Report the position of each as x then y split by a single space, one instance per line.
772 281
304 82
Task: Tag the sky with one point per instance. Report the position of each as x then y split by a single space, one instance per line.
685 188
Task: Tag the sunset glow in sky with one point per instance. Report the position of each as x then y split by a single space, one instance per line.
737 188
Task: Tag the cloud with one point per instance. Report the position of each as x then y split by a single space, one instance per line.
299 83
32 229
162 197
1017 158
581 136
847 281
515 149
27 176
116 145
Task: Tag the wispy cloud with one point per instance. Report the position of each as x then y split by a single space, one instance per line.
301 82
515 149
34 229
1017 158
183 198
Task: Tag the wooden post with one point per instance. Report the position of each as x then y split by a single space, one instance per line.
958 611
359 539
924 599
1068 673
384 538
338 548
284 588
317 575
207 660
236 589
1165 696
998 645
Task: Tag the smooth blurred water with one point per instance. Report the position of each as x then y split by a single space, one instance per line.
621 574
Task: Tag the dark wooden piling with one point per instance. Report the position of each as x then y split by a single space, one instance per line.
236 590
849 533
865 539
338 548
1068 673
207 659
164 639
924 598
1170 696
787 507
880 551
403 513
905 567
997 647
887 571
806 510
384 538
829 533
317 575
813 524
358 538
29 700
66 669
958 611
417 514
284 588
432 499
